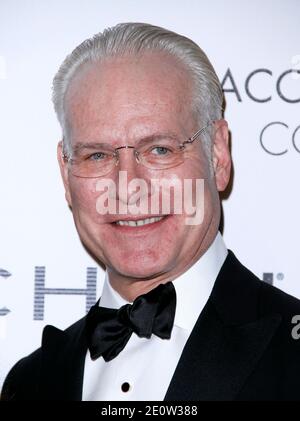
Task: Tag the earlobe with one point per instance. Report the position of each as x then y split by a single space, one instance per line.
64 172
221 154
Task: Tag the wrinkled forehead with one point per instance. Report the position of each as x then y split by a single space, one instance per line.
122 91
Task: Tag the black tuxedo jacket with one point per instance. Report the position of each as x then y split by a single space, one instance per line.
241 348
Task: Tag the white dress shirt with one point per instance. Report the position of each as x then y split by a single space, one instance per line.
146 366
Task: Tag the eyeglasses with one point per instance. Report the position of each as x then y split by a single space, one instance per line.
159 153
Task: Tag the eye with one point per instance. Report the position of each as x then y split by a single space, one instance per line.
97 156
161 150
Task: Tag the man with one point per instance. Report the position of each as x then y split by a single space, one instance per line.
179 317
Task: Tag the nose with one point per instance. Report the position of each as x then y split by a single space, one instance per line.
130 175
127 162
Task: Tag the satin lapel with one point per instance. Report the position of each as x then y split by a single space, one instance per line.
63 357
218 359
227 341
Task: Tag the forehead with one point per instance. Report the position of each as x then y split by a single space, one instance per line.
128 93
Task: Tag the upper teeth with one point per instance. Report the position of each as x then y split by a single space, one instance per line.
140 221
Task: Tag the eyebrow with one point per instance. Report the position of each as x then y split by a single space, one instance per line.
86 146
80 146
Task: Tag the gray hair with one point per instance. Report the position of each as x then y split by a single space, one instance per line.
136 38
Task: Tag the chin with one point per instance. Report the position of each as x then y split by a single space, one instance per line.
140 267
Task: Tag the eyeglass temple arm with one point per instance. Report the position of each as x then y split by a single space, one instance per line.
199 132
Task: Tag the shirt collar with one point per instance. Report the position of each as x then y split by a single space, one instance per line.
193 287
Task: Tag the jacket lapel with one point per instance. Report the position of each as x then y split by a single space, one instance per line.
63 357
227 341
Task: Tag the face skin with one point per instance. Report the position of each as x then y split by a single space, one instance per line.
120 102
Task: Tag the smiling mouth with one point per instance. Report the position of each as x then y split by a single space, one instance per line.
140 222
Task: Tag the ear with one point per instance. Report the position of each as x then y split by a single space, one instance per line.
221 154
63 165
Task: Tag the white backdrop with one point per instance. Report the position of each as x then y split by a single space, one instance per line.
251 44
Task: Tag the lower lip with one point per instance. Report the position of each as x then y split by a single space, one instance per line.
142 228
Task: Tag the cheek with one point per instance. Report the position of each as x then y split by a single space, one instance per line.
196 166
84 197
211 206
193 180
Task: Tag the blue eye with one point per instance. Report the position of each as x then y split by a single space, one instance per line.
161 150
97 156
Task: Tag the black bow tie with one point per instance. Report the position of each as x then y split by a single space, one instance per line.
109 330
